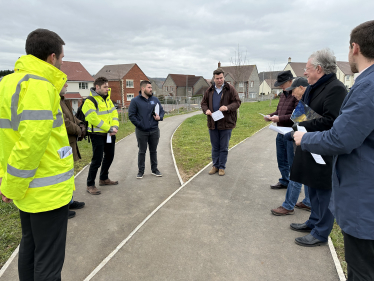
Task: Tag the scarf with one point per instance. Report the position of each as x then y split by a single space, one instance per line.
308 95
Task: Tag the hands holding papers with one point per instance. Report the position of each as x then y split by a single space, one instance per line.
298 136
217 115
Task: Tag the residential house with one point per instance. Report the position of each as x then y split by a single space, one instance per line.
267 80
297 68
156 85
181 85
79 82
244 78
345 74
124 81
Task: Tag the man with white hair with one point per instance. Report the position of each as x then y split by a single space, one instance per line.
325 96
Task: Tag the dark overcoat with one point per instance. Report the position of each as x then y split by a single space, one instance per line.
326 100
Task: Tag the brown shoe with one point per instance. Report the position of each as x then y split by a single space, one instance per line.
302 206
107 182
93 190
221 172
213 171
280 211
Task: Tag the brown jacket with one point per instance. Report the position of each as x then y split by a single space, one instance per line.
72 127
229 98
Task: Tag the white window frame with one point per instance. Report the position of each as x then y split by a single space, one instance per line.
241 84
347 78
252 84
83 85
129 97
129 83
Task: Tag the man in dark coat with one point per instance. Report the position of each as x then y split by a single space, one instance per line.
222 97
351 141
325 96
75 129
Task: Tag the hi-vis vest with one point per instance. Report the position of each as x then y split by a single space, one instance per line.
32 130
102 118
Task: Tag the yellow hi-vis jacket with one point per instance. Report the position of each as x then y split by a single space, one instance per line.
102 118
32 130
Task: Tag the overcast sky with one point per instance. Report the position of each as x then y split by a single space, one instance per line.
184 37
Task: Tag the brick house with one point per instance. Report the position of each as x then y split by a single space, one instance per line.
175 85
79 82
244 78
124 81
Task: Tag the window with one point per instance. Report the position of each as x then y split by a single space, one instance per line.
228 82
129 83
171 89
166 88
241 84
347 78
252 84
83 85
130 97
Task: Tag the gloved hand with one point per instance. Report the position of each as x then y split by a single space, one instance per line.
289 136
83 130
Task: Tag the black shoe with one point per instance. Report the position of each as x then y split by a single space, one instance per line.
156 173
76 205
71 214
139 175
278 186
301 227
309 241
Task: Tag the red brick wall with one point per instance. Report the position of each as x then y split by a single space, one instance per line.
135 74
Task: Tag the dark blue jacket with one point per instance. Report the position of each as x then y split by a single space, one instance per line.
140 113
351 141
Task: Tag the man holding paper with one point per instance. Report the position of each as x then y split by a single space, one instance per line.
220 103
145 112
102 127
350 141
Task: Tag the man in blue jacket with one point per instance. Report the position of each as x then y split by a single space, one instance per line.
351 141
144 112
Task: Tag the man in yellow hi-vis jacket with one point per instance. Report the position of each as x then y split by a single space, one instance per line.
102 127
36 168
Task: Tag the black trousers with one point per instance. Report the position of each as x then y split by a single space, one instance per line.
42 249
99 148
359 255
151 139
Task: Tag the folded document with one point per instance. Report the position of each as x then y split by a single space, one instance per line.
281 130
65 152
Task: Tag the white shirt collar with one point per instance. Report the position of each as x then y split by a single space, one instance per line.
354 78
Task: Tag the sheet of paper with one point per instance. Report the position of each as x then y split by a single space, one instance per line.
108 138
157 109
65 151
217 115
281 130
318 158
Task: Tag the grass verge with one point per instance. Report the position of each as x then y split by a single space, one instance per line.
192 148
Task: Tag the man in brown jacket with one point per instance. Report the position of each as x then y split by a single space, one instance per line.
75 129
222 97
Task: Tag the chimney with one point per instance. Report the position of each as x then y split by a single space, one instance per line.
289 59
219 64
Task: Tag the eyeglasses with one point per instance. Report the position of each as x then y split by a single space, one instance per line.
305 69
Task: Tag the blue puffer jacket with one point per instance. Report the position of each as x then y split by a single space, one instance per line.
351 141
140 113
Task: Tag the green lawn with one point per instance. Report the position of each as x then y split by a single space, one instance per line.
192 148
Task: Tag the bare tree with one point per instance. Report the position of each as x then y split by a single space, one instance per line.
239 61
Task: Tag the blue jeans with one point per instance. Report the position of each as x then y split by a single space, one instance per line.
321 219
285 156
292 194
220 146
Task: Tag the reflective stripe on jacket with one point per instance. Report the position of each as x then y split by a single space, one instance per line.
102 118
32 131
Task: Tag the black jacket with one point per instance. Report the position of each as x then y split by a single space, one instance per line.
326 101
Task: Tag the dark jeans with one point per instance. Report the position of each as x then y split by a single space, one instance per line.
99 148
42 249
220 146
321 219
151 139
359 255
285 154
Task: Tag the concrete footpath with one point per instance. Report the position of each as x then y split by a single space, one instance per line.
214 228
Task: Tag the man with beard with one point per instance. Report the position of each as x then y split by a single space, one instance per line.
145 112
35 171
103 124
351 142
